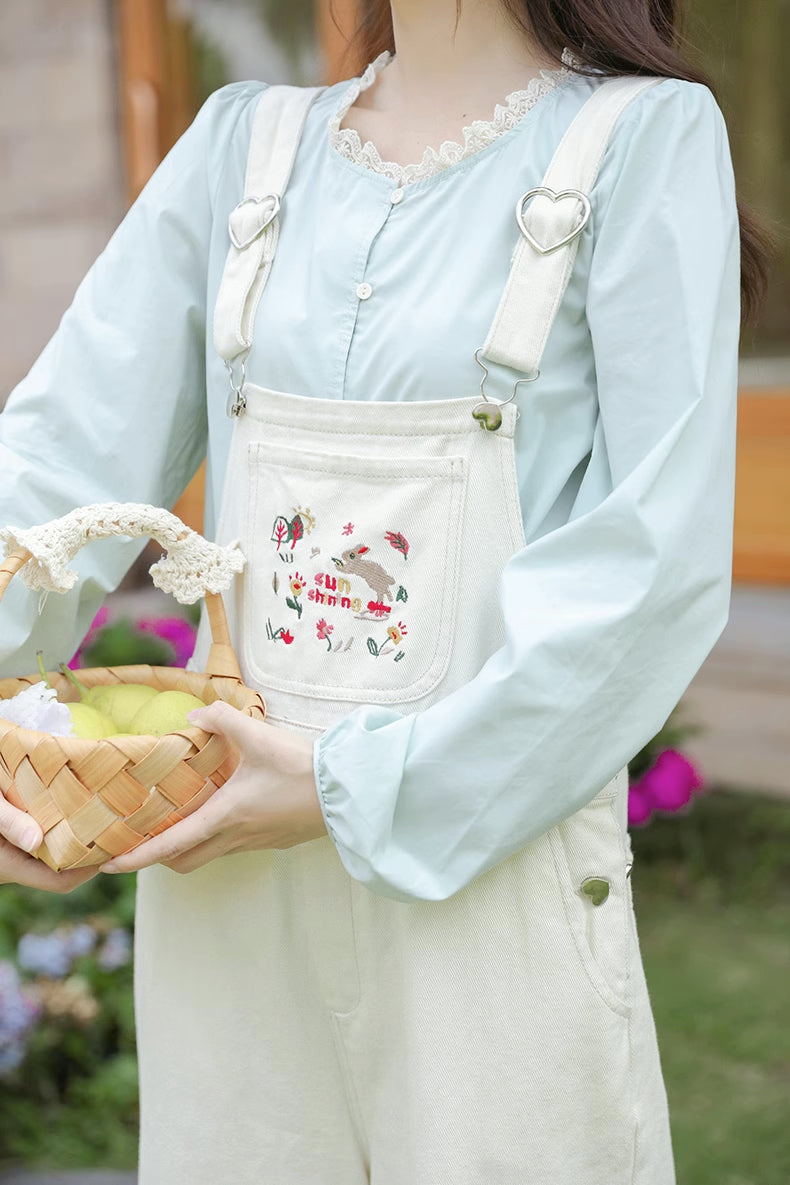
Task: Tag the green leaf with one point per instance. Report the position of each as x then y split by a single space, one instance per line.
373 648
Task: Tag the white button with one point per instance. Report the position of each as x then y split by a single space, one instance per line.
364 291
396 196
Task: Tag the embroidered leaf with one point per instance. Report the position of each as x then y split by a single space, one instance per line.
275 583
295 530
387 648
373 648
402 594
348 644
398 656
279 530
396 540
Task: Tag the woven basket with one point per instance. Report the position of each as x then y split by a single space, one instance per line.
99 798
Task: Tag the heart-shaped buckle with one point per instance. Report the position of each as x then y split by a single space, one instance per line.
576 194
240 244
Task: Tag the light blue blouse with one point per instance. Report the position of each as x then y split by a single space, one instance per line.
625 445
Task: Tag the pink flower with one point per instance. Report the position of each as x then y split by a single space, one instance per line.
348 529
640 809
670 781
324 630
176 631
98 623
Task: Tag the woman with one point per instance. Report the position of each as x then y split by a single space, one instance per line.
466 611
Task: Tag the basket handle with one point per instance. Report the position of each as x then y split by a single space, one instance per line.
191 568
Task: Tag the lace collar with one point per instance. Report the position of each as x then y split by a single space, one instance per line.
480 133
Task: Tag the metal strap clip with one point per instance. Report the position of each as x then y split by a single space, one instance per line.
487 413
237 400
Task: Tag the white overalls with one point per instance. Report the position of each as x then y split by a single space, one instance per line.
294 1027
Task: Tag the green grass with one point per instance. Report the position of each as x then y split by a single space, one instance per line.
712 898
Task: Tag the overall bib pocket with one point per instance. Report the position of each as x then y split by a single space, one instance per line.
590 858
353 571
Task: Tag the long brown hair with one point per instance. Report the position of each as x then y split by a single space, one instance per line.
609 37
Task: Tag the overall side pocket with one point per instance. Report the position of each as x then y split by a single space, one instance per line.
591 861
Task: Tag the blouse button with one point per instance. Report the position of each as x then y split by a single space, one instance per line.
364 291
396 196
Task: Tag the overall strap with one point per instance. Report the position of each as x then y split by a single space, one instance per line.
254 224
551 217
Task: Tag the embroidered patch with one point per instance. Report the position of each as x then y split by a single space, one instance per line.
353 561
396 540
324 629
395 635
287 530
296 585
282 633
333 589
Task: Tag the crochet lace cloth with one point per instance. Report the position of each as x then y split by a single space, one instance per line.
191 566
479 134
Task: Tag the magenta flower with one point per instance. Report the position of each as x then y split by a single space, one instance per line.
640 810
671 780
666 786
176 631
98 623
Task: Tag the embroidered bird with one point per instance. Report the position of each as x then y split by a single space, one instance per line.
371 572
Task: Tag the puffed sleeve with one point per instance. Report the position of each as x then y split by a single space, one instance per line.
609 616
114 409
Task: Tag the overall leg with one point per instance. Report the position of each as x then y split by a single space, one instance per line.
505 1035
240 1076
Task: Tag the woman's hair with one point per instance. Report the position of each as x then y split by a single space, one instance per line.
608 37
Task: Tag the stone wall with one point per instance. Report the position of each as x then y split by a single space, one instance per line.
61 173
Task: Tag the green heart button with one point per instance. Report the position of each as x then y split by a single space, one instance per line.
596 889
488 416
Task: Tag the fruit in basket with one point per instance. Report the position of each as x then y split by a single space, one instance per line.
86 721
89 723
165 712
120 701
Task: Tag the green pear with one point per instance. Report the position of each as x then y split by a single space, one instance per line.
90 724
86 721
165 712
120 701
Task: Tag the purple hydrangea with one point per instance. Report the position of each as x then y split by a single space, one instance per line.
18 1015
45 954
116 950
80 940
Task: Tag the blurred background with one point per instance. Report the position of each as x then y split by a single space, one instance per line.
92 95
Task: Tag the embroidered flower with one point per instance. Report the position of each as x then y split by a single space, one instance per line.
397 632
324 630
287 637
297 584
348 529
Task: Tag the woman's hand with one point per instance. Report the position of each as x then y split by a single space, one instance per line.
270 801
20 834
